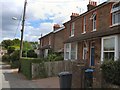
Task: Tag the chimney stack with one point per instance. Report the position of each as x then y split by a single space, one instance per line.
56 26
74 15
91 5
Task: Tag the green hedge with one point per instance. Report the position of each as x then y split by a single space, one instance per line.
111 71
26 66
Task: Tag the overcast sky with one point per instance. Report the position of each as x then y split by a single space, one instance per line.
41 15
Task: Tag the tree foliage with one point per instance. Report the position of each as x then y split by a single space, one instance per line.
111 71
11 49
32 54
7 43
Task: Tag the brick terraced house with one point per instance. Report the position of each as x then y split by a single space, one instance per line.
94 35
53 41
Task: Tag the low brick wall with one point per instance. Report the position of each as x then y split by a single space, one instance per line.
77 75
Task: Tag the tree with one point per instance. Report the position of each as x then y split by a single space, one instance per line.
11 49
7 43
16 41
32 54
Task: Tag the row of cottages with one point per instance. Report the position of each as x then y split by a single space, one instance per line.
53 41
93 36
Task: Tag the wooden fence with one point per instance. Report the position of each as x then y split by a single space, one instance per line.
50 68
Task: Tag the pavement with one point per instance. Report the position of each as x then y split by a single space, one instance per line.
10 78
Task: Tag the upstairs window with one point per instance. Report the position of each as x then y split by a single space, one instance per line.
72 29
84 27
115 13
93 18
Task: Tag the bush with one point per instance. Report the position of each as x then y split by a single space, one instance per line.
15 64
26 66
6 58
14 56
31 54
111 71
11 49
54 57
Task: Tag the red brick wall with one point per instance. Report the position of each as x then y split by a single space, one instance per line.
103 20
58 40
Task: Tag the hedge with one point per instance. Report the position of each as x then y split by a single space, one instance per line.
111 71
26 66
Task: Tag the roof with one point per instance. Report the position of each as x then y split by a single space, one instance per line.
46 35
95 34
45 47
62 28
104 3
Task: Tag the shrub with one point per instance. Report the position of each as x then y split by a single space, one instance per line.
26 66
15 64
31 54
6 58
111 71
14 56
11 49
54 57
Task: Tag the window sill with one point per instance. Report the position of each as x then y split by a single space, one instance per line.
83 33
71 36
115 24
94 30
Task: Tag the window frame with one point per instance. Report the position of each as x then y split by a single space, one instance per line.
116 56
84 24
114 11
72 31
94 22
70 51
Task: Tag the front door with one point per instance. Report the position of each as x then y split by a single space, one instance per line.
92 59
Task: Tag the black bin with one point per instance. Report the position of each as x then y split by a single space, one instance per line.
88 78
65 79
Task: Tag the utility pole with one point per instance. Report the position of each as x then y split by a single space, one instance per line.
22 31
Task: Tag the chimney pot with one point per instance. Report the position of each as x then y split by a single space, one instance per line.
74 15
56 26
91 5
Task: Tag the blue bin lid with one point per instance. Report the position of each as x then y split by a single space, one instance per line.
89 70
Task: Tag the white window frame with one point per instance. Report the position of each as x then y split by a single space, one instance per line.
76 46
65 50
116 53
113 18
84 48
84 26
114 11
94 23
46 52
72 29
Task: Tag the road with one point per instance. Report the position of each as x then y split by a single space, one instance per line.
10 78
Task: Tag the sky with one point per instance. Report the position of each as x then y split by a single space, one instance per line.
40 17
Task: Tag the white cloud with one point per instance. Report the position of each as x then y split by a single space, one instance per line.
41 10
